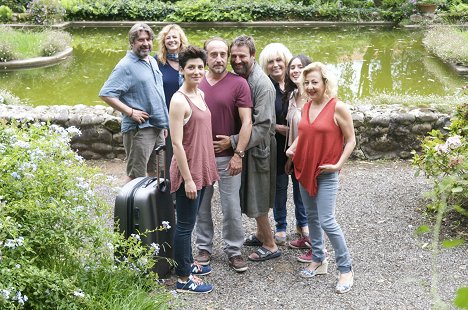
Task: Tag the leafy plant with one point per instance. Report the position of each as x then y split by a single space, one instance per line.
46 12
436 2
56 245
18 6
6 14
444 159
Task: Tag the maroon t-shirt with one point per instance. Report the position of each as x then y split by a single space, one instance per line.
223 99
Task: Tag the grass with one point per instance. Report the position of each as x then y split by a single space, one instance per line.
448 43
26 44
19 44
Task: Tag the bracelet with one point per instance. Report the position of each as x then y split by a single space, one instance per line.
131 113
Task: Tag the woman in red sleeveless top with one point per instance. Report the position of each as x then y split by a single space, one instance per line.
325 141
193 165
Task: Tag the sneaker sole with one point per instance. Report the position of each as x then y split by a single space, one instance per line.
299 248
192 292
343 291
303 260
243 269
202 274
203 263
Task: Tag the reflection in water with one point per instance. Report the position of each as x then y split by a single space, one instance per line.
368 61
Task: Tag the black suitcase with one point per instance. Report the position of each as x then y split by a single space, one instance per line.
143 204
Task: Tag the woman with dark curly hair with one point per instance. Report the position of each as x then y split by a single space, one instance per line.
193 165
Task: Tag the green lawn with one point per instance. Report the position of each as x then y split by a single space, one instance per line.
26 44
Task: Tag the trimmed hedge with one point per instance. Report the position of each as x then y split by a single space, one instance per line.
230 10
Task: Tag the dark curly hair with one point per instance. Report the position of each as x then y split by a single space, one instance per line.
191 52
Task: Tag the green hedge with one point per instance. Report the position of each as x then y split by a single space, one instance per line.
230 10
246 10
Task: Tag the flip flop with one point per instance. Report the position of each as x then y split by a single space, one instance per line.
265 254
252 240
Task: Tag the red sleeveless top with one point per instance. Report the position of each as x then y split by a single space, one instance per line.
320 142
199 150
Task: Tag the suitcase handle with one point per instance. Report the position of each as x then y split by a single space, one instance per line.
158 149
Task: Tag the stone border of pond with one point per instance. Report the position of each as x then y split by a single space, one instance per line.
382 132
459 68
36 62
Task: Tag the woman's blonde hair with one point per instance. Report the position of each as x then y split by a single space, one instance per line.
162 51
273 51
329 78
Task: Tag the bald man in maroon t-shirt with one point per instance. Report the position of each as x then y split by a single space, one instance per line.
229 99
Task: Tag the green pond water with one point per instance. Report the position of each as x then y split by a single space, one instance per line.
368 61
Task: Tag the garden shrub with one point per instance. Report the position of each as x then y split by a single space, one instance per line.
56 41
397 10
209 11
229 10
46 12
457 13
8 98
6 14
444 159
18 6
56 243
117 10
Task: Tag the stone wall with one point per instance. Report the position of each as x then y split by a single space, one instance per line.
382 132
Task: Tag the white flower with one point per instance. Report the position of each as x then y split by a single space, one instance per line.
453 142
20 241
15 175
79 158
21 144
166 225
79 293
10 243
21 299
74 131
156 248
136 236
143 261
441 148
5 293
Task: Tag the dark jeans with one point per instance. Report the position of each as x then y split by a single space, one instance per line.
280 211
187 210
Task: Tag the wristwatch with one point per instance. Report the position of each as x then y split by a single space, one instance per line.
240 153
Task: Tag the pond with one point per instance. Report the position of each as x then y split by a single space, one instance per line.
368 60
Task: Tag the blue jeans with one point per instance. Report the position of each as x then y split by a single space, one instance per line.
280 211
187 210
321 215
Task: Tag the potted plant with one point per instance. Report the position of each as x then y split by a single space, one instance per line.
428 6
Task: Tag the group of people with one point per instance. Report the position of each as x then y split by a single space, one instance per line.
248 131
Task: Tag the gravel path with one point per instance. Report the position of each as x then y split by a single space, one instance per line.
377 210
